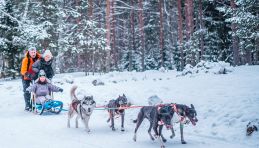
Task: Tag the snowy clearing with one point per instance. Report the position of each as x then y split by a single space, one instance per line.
225 104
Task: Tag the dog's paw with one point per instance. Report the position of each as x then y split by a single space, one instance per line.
172 136
135 138
122 129
156 136
153 139
183 142
164 140
113 129
162 146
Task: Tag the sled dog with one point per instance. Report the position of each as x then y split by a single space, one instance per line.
114 108
82 108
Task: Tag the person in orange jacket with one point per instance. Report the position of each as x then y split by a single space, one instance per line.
28 74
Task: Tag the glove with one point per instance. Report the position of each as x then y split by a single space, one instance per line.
28 75
61 90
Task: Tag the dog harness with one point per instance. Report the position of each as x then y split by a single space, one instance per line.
182 118
74 105
161 122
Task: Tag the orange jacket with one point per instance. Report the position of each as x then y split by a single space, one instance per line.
27 65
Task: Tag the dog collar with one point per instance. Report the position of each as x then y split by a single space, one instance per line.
161 122
182 118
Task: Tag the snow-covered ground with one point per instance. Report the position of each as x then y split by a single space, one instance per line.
224 103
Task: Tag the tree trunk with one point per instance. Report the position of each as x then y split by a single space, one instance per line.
235 47
180 33
191 27
187 19
248 57
141 26
161 33
25 10
256 54
115 52
2 74
108 35
99 52
172 27
90 9
133 36
201 34
90 16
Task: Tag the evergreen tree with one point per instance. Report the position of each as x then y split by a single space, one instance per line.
8 38
245 17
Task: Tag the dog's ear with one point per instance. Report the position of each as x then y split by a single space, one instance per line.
248 124
92 97
255 128
123 95
192 106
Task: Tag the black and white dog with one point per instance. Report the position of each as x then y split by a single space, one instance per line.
252 126
114 108
82 108
158 116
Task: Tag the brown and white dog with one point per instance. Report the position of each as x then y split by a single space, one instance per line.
82 108
252 126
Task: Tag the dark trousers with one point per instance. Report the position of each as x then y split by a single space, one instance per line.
26 94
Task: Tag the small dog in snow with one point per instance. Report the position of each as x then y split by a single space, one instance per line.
252 126
82 108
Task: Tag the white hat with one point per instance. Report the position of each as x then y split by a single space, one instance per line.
47 52
32 49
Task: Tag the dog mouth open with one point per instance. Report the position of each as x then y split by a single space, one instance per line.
193 121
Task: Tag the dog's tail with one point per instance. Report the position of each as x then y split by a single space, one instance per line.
72 93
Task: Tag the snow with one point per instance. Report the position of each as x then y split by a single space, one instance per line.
207 67
2 3
224 104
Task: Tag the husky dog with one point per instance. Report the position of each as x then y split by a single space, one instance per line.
82 108
158 116
252 126
114 108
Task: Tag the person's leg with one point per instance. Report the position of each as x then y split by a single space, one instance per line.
40 100
48 97
26 94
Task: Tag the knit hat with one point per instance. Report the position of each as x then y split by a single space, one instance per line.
42 73
32 49
47 53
